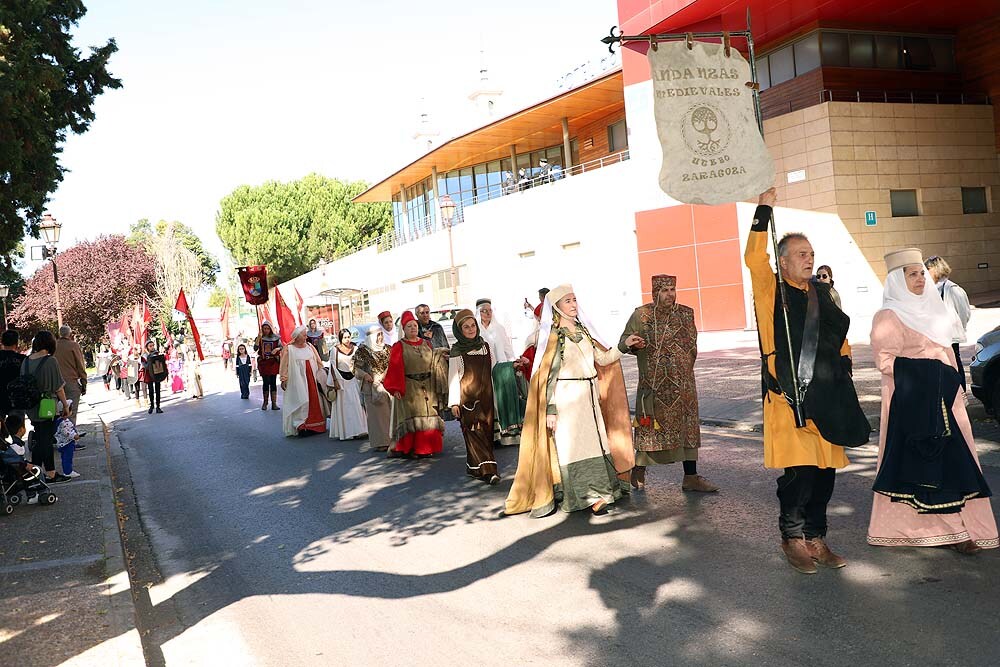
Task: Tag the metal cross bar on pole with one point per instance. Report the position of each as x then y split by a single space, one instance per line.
796 391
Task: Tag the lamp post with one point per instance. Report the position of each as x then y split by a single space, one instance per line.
447 207
4 291
50 229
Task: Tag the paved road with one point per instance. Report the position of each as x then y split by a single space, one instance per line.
315 552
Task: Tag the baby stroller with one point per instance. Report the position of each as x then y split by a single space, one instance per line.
20 481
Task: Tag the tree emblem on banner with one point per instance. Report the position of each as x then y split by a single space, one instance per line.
712 149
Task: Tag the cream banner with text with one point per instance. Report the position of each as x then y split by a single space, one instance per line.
713 152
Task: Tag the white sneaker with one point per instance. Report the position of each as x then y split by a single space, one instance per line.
73 475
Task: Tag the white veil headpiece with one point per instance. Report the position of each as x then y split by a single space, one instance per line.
545 327
371 338
926 313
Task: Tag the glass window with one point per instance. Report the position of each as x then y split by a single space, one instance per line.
917 53
903 203
617 137
465 182
862 52
782 64
481 181
974 200
763 73
806 54
887 52
834 49
523 162
554 156
943 52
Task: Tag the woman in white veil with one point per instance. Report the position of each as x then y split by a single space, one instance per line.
576 446
930 490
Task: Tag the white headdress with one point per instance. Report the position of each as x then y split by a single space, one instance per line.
545 327
926 313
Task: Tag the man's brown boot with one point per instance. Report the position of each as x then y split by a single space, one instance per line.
274 399
798 556
698 483
821 553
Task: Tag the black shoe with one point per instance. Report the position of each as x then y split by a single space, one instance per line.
150 411
159 411
58 479
80 447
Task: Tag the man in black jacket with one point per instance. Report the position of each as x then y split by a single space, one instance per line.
10 367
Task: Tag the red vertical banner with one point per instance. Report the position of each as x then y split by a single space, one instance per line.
182 307
299 306
225 319
253 279
286 320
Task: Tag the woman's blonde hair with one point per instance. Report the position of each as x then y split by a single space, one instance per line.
938 265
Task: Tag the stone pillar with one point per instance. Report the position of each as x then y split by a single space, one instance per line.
435 209
567 149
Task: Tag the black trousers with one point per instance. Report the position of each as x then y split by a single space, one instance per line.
270 383
958 360
153 389
43 438
804 492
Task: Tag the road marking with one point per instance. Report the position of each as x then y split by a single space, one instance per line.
46 564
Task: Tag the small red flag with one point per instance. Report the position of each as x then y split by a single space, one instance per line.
225 319
299 306
286 321
182 306
253 279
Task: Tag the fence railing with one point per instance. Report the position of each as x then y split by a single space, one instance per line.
904 96
510 186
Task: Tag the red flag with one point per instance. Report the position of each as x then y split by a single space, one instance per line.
254 282
286 321
145 317
225 319
126 328
182 306
299 305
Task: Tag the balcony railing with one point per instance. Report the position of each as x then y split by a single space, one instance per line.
904 97
428 224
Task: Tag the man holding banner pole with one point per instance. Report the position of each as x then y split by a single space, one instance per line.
810 451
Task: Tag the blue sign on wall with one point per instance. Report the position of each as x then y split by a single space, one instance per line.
870 220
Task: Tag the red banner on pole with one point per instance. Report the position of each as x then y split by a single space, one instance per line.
253 279
182 307
225 319
286 321
299 306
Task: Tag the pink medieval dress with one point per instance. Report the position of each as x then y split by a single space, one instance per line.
897 524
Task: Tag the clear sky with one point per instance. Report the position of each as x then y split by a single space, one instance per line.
219 93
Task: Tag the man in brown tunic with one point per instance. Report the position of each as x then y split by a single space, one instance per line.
667 428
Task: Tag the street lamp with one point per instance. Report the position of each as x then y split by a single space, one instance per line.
447 207
4 291
50 230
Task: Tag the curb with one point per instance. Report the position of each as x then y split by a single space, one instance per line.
123 616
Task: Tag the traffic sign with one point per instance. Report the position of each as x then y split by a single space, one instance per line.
870 219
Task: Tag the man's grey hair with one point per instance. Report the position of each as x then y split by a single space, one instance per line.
65 330
421 305
790 236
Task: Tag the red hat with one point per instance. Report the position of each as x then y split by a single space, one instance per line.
407 317
384 314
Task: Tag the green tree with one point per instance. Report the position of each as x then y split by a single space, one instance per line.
146 234
217 298
292 227
46 89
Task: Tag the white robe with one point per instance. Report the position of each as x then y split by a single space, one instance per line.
500 345
347 417
296 404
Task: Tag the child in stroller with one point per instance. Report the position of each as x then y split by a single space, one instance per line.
20 482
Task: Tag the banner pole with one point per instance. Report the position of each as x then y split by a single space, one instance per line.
796 397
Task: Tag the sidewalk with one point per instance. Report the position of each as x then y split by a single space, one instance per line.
63 586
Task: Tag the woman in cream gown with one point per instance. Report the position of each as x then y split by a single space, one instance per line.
302 373
576 448
347 417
